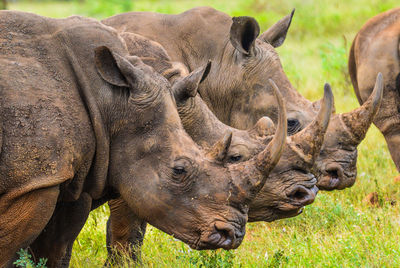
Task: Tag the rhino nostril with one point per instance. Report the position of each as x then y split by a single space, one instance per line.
333 173
227 233
299 194
302 195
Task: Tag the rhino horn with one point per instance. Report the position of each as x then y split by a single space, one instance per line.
187 87
257 169
264 127
267 159
358 121
220 149
308 142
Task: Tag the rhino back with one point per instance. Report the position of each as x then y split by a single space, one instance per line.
179 33
47 133
376 49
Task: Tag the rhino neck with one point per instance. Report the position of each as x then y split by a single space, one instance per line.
96 180
200 123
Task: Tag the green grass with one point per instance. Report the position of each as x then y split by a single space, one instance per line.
338 229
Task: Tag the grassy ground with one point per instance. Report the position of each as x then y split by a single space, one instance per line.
338 229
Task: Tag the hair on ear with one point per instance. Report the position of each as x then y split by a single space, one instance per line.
243 33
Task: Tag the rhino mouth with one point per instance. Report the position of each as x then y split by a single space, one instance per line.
334 177
226 235
297 197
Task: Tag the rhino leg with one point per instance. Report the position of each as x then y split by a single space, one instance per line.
125 232
55 242
23 219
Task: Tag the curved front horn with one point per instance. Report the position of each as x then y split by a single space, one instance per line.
251 175
308 142
359 120
267 159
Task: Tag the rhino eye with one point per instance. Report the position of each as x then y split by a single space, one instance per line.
293 126
182 171
235 158
178 171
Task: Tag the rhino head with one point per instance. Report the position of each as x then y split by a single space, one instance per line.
161 173
292 184
337 163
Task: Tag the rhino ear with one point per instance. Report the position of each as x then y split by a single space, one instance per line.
220 149
243 34
187 87
113 68
276 34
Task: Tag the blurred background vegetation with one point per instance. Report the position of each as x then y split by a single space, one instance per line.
339 229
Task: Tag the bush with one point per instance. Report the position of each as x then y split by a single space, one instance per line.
25 260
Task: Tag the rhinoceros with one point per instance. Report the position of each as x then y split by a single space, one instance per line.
83 122
290 185
376 48
237 90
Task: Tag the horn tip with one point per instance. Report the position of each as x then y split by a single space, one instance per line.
380 76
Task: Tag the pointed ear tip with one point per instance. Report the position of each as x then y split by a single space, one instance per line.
207 67
328 91
205 71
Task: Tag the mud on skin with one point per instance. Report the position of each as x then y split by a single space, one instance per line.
128 123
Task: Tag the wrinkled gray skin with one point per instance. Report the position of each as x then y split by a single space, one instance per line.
82 122
290 185
237 90
376 48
